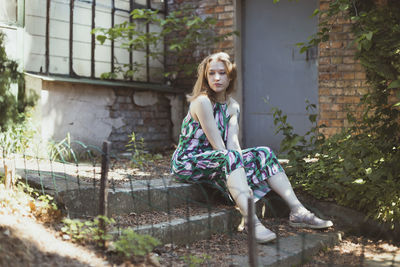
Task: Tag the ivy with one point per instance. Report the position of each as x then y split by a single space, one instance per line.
359 167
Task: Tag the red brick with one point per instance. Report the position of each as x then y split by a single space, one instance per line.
336 60
327 83
323 77
336 44
348 99
228 22
219 9
228 15
328 115
336 91
346 67
330 107
360 75
348 76
336 76
348 60
324 60
324 91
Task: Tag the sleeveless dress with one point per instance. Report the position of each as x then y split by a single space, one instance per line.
194 160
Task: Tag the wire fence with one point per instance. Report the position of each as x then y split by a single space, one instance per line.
195 223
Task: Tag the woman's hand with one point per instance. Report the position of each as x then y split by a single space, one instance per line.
202 111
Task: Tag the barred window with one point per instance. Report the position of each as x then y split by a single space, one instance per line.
8 11
62 43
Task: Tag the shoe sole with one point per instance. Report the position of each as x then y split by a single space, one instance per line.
266 240
304 225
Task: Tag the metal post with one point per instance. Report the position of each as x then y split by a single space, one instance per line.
71 37
105 163
93 42
47 51
112 41
253 259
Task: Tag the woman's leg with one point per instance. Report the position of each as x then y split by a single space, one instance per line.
268 169
240 192
299 215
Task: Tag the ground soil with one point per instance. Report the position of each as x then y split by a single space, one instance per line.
27 241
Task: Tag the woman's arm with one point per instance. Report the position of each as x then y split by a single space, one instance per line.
202 111
233 127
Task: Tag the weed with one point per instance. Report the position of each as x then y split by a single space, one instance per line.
130 244
194 260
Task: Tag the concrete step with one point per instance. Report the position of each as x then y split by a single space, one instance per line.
289 251
81 198
182 231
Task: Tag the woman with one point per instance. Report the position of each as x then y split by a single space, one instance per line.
209 149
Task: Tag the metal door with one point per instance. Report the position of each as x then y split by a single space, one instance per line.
273 69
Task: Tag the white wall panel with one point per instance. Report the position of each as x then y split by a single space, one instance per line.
102 67
82 67
35 25
35 8
103 53
103 20
122 4
58 10
35 63
59 29
82 33
82 50
59 65
37 45
121 55
59 47
83 15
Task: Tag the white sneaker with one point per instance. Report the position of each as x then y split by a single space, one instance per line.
306 219
262 234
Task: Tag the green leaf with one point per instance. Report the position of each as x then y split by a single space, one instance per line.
369 35
394 84
101 38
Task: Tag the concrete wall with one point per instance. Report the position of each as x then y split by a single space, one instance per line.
92 113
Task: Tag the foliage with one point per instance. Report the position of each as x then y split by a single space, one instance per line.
26 201
359 166
17 137
193 260
355 168
12 107
131 244
182 32
68 150
140 157
87 231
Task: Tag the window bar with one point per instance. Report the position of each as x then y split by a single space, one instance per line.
47 37
71 37
164 41
131 7
148 5
112 41
92 64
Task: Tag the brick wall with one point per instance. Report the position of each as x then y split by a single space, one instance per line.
342 80
147 114
223 11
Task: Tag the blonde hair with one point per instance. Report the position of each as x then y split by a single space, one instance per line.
201 86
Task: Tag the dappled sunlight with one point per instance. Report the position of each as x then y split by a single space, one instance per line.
42 245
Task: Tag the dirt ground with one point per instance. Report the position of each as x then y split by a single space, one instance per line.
27 241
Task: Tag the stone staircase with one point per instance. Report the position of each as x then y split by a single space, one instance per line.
164 195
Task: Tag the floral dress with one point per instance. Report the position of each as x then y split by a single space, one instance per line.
194 160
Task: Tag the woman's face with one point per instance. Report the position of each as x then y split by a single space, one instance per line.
217 76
